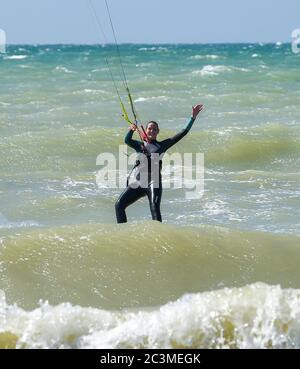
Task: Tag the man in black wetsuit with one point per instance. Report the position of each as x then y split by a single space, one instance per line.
150 152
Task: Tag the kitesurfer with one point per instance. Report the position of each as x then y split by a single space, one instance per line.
150 153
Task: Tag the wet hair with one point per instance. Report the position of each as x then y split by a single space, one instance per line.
152 122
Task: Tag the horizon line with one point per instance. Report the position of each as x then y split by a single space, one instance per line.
148 43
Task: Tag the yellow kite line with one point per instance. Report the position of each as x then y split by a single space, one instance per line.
123 76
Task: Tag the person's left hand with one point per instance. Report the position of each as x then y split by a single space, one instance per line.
196 110
133 127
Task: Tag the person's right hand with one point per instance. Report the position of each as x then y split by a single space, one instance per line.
133 127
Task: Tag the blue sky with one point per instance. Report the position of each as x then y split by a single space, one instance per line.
150 21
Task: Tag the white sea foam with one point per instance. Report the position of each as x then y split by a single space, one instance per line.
255 316
212 70
90 92
215 70
158 49
64 69
24 224
22 66
16 57
213 57
162 98
216 207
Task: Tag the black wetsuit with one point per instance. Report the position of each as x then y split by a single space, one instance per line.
153 186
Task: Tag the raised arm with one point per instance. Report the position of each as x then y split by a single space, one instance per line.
136 145
169 142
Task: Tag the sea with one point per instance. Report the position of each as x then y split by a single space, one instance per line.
221 271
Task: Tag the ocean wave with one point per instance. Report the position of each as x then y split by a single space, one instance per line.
154 48
213 57
22 66
16 57
215 70
250 174
239 150
64 69
90 91
23 224
4 104
162 98
257 316
144 264
227 147
251 146
6 224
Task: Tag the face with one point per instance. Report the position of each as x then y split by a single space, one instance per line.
152 131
